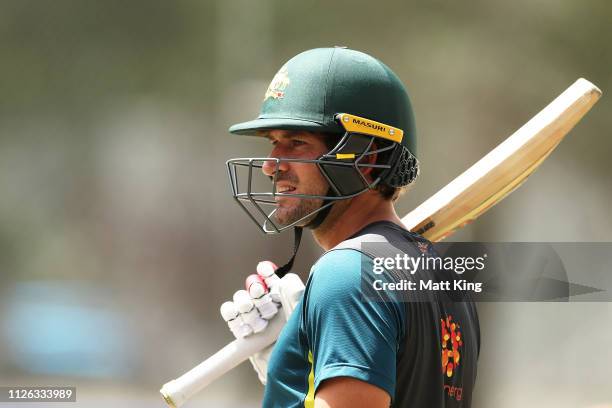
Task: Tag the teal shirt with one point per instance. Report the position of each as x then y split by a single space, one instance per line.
333 332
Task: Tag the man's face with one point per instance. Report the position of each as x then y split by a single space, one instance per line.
296 178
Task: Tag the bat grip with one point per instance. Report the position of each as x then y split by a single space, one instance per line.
178 391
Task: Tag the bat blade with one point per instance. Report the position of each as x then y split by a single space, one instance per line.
503 169
460 202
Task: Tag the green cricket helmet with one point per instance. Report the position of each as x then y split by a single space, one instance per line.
354 98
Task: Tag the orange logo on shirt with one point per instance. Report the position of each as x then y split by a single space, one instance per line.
450 355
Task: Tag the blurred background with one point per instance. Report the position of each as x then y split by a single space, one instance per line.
118 235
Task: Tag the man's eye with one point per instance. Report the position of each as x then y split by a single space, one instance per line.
298 142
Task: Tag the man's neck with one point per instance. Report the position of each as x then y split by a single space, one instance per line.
348 217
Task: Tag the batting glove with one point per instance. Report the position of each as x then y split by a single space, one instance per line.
265 297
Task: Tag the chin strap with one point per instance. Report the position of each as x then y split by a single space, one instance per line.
297 238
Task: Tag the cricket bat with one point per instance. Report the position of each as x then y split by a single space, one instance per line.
460 202
504 168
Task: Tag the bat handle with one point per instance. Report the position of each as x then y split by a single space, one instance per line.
178 391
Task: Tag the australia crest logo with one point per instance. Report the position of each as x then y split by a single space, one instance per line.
276 89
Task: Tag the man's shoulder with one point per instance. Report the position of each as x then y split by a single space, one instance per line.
338 272
344 264
339 261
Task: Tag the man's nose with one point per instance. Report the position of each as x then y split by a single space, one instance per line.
269 166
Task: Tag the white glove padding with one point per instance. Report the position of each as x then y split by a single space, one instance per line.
251 309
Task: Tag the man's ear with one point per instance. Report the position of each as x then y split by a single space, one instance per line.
369 159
